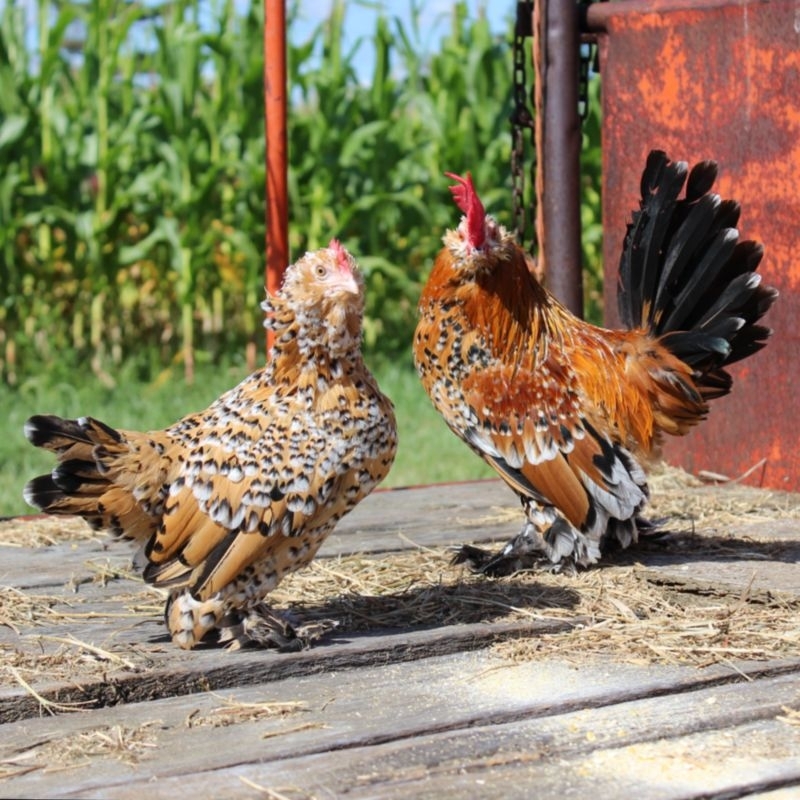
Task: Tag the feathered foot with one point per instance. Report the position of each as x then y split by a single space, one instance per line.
506 561
493 564
652 528
561 548
262 626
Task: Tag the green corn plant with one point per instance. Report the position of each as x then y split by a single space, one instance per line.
203 162
132 194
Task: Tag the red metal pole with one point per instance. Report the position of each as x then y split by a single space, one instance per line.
277 212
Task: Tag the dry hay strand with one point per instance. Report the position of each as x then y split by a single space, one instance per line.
640 619
45 531
498 515
791 716
234 712
677 495
629 612
102 573
147 602
91 652
64 659
407 589
18 609
120 742
280 793
124 743
45 706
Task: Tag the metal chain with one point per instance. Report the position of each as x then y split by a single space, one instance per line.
583 79
521 120
587 64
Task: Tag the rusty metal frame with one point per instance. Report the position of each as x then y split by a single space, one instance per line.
561 148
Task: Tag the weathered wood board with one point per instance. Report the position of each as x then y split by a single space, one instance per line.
434 719
426 708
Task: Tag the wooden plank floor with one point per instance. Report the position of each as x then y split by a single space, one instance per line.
546 686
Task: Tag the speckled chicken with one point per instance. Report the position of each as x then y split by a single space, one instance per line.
569 414
226 502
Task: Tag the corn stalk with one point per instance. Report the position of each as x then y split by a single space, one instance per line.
132 193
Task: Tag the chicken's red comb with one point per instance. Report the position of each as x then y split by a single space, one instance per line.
341 255
468 201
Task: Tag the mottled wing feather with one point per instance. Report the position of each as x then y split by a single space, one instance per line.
529 425
126 515
558 481
526 424
204 508
255 468
530 416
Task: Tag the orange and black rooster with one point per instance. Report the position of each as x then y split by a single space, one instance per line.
569 413
226 502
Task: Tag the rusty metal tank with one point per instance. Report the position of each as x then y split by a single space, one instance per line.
717 80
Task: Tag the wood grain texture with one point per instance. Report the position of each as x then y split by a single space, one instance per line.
414 711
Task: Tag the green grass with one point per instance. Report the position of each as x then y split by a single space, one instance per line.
427 453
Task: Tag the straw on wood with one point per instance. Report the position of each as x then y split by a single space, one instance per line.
620 609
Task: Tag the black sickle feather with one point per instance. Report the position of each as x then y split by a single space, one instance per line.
661 184
687 277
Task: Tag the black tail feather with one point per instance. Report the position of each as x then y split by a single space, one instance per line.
748 342
58 434
684 248
662 181
701 179
685 276
54 433
42 493
76 483
75 476
686 296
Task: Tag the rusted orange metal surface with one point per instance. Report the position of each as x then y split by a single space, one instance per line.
275 89
717 80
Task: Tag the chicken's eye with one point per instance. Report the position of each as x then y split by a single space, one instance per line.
320 270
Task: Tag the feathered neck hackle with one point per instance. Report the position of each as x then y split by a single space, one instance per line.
314 327
485 271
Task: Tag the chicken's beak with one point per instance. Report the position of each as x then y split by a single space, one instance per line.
346 282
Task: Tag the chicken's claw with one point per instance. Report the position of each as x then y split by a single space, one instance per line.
265 627
494 565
